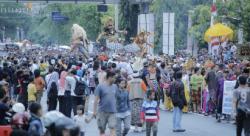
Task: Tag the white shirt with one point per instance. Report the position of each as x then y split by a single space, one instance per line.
52 77
70 84
102 76
80 121
34 67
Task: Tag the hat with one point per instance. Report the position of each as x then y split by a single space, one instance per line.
18 108
145 64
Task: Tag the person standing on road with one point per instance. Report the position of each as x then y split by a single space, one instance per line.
137 89
123 107
212 86
61 91
150 113
76 99
40 83
70 84
52 88
242 107
196 87
105 97
31 92
179 101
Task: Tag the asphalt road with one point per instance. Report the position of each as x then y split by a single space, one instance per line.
195 125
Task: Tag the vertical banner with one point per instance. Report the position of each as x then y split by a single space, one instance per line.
227 105
168 33
146 23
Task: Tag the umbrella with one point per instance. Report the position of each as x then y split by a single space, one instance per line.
132 48
218 30
114 46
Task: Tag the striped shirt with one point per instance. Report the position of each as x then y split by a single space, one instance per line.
150 111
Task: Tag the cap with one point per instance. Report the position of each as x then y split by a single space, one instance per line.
18 108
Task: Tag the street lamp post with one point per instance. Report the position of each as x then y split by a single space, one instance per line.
17 33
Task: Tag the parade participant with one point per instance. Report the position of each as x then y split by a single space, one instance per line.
179 101
242 107
211 83
137 89
79 40
105 96
109 37
109 31
52 88
123 114
196 87
35 123
40 84
150 114
186 82
141 40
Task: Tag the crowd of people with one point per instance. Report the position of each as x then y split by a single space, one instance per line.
123 95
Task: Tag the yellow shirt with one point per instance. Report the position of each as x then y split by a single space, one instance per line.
31 92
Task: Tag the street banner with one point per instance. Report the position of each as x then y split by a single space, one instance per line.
168 33
227 106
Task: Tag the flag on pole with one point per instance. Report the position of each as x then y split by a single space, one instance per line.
214 10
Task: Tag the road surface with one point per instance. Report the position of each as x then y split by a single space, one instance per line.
195 125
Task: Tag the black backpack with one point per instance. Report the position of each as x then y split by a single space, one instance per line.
53 91
175 94
80 87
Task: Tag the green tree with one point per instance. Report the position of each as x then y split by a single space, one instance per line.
128 18
180 8
12 16
201 21
44 29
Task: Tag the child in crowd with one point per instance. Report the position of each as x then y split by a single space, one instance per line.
150 113
81 119
31 91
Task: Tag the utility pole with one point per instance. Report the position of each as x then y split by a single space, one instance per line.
116 16
189 36
17 34
3 33
240 30
211 24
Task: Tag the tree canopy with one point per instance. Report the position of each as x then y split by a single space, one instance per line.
40 28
